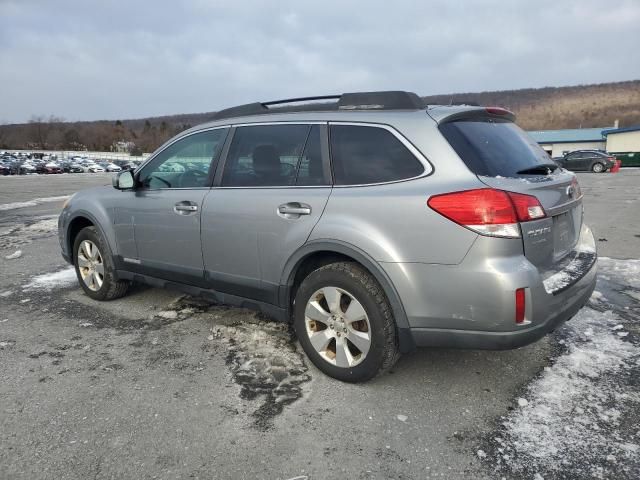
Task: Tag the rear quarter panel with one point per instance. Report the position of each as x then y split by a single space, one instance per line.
392 222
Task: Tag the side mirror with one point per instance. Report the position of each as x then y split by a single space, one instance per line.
123 180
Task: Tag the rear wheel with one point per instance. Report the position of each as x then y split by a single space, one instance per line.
344 323
597 167
94 266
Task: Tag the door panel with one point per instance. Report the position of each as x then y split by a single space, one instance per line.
168 236
246 240
271 196
159 224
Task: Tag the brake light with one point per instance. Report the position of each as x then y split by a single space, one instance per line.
527 206
497 111
520 305
488 211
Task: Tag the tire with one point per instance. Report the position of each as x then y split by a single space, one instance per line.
101 285
597 168
335 352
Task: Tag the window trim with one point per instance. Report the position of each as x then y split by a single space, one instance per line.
324 151
426 164
215 160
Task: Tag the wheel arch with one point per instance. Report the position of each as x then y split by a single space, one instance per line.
80 220
320 252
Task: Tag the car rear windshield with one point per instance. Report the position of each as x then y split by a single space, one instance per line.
494 148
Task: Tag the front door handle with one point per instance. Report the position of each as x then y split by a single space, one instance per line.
185 208
294 209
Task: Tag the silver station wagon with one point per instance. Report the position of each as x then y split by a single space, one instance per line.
371 222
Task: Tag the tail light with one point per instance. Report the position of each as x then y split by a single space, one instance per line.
520 305
488 211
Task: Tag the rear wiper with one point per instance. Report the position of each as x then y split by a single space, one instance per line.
543 168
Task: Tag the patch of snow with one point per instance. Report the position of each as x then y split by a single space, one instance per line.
13 256
522 402
49 281
402 418
626 272
481 454
32 203
168 314
6 293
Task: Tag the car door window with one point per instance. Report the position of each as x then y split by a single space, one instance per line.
367 154
185 163
274 155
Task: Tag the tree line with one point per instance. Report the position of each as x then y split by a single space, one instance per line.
545 108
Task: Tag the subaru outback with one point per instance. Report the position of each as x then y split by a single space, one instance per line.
371 222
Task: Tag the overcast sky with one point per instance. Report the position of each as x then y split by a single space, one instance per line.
85 60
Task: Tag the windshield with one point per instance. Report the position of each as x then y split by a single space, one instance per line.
495 148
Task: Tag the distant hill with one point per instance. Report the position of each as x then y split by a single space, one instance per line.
552 108
536 109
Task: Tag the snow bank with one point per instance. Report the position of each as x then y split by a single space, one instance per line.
32 203
49 281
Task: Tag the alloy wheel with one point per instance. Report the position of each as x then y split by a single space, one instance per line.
90 265
338 327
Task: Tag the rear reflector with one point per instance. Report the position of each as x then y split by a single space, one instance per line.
488 211
520 305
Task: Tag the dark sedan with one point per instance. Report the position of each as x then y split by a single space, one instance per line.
595 161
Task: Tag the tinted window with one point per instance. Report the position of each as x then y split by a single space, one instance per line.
493 148
274 155
185 163
363 155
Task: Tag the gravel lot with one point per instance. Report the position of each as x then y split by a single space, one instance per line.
158 385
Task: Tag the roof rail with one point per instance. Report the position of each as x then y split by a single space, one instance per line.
384 100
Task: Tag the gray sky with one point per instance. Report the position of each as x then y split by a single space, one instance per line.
87 60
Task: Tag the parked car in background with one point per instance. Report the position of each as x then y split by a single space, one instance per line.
126 165
595 161
24 168
72 167
52 167
5 168
375 225
110 167
93 168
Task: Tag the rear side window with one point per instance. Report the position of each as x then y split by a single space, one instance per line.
274 155
494 148
364 155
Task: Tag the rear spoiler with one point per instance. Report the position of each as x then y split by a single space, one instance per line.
451 114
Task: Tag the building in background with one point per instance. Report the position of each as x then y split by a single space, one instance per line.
623 143
558 142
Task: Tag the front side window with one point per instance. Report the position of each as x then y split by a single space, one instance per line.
274 155
365 155
185 163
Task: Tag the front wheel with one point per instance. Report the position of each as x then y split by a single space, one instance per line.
344 323
597 168
94 266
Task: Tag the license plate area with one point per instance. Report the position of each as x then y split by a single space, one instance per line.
564 233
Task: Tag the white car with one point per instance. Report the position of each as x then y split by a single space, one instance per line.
111 167
93 168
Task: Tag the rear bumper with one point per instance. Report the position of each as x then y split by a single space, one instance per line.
579 295
472 304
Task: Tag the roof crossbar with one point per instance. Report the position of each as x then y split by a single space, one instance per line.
384 100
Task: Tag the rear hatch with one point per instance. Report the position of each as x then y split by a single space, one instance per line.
504 157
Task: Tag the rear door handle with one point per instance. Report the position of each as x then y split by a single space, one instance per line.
185 208
294 209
